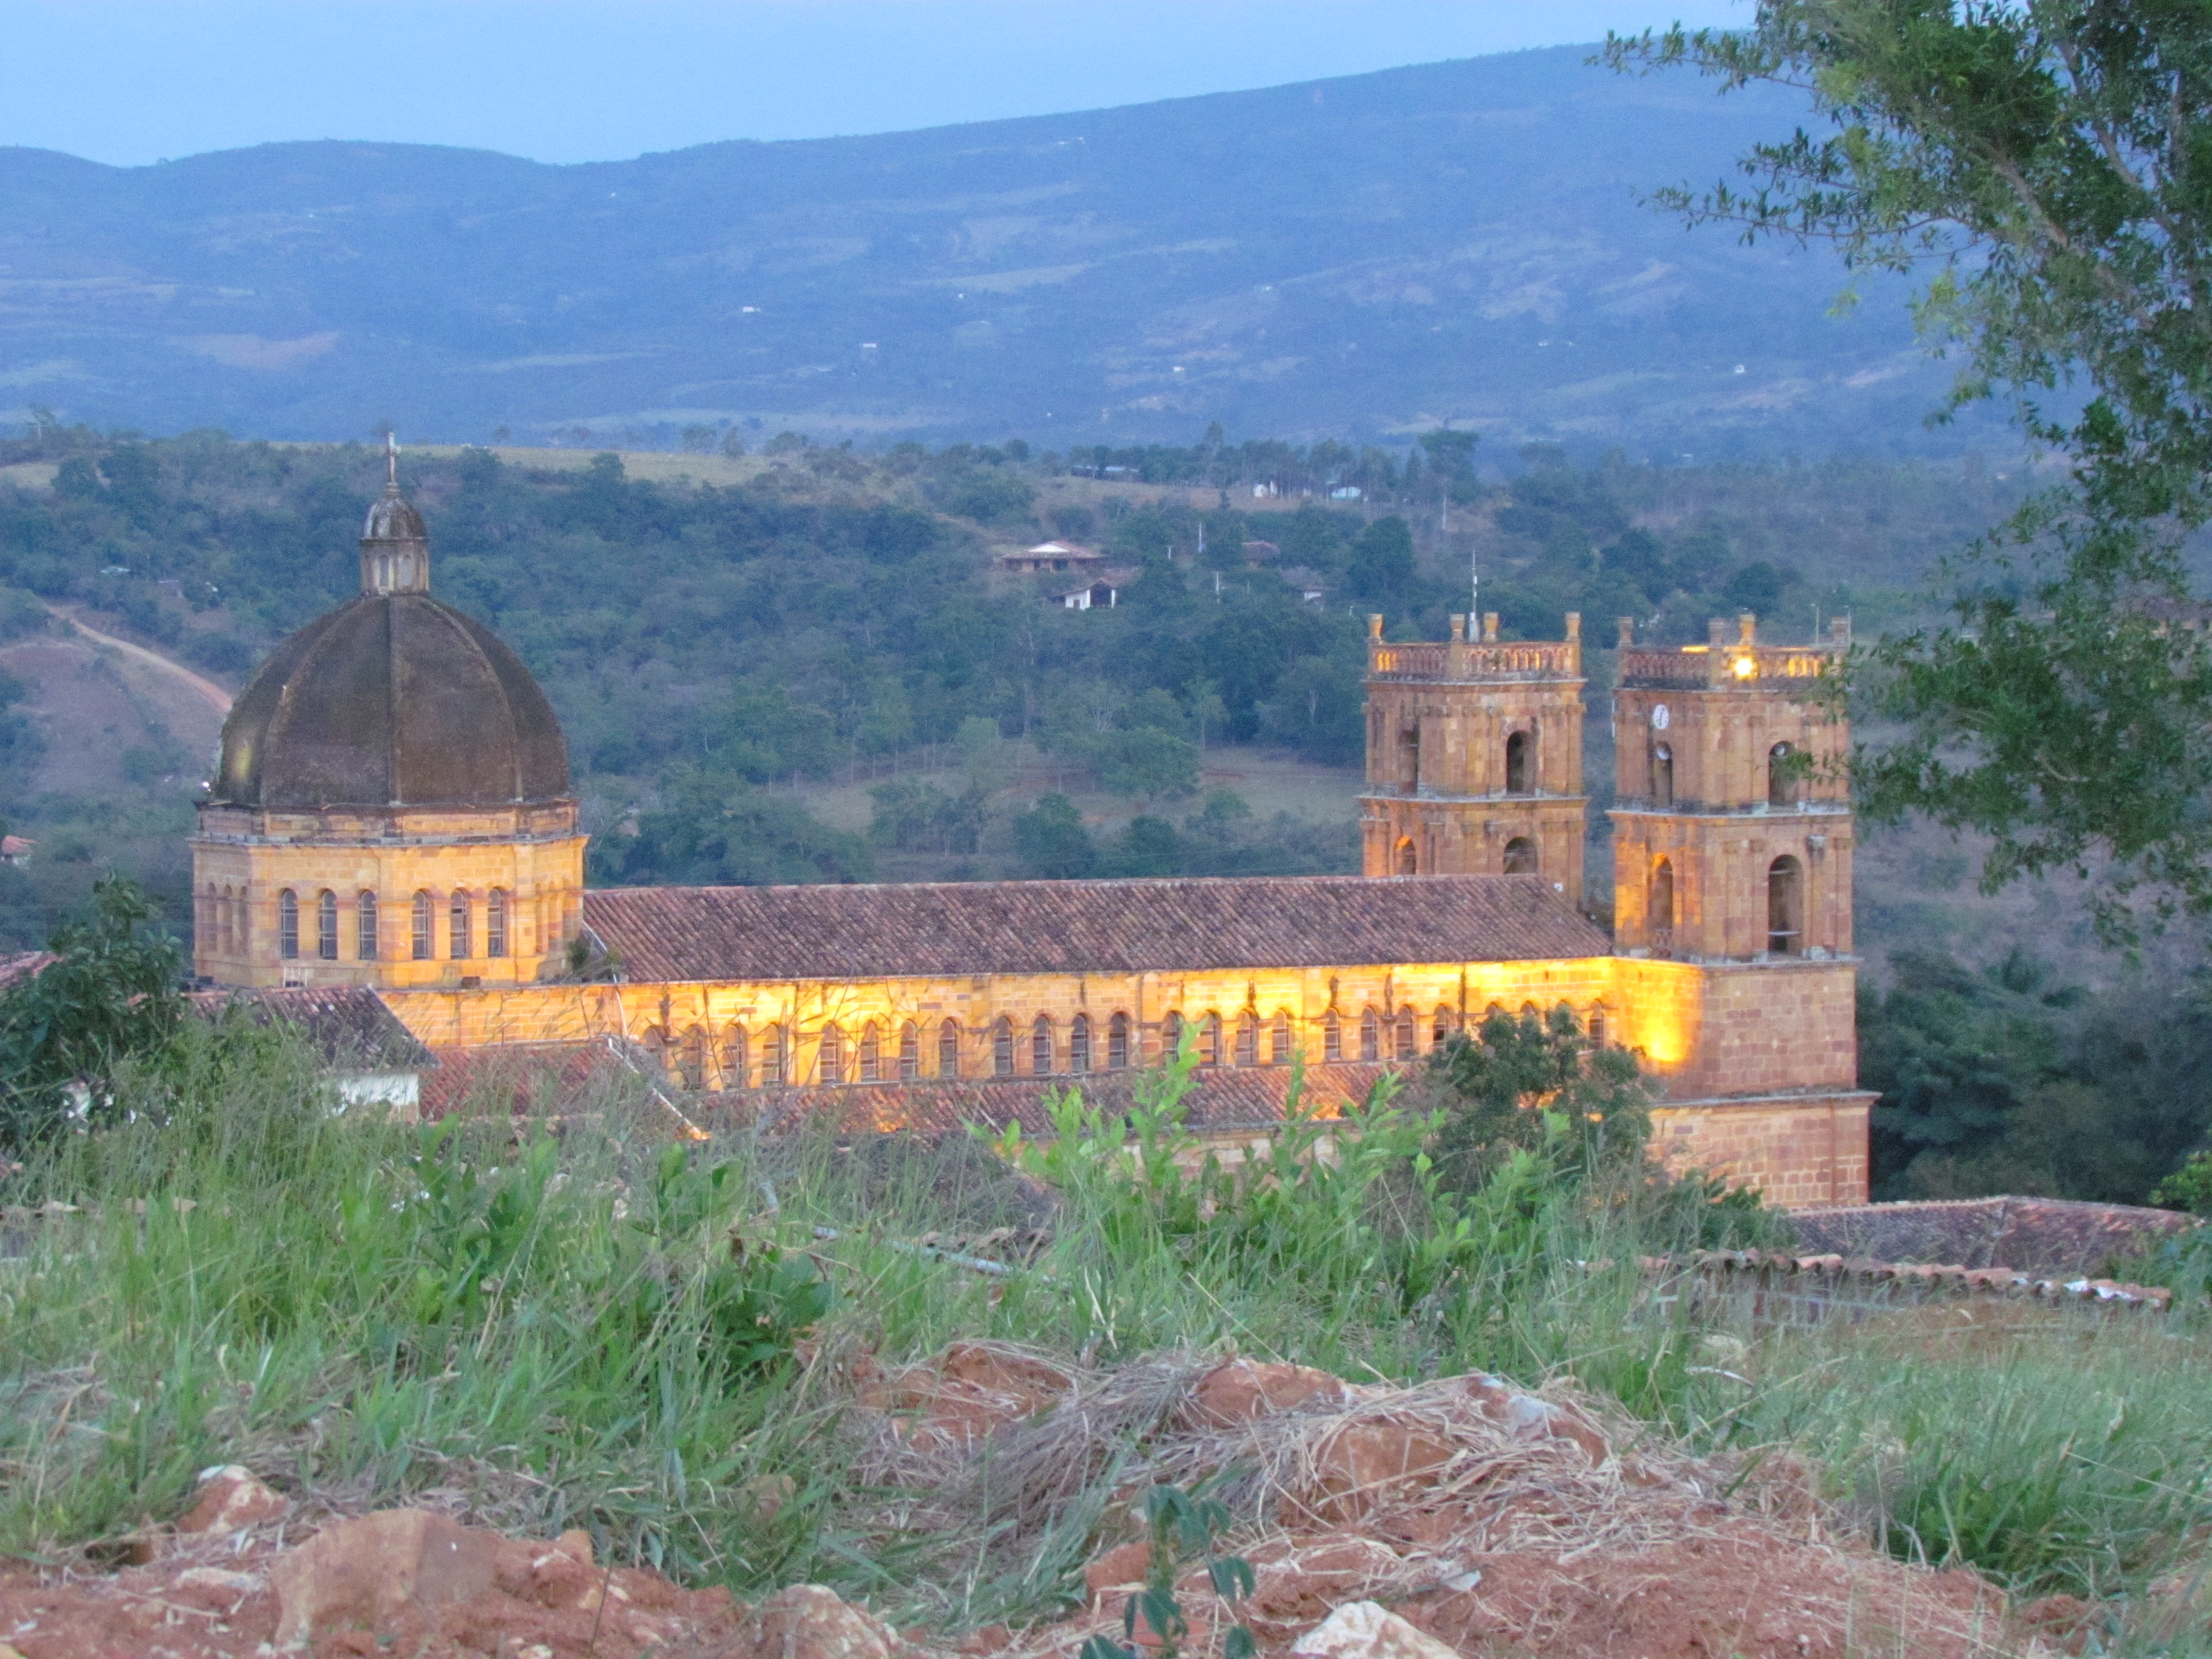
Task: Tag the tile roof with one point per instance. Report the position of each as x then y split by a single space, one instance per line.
1076 927
2027 1235
350 1025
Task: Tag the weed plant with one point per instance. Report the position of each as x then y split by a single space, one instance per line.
578 1323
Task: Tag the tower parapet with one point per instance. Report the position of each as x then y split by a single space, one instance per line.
1474 755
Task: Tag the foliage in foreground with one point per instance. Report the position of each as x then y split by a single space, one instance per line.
592 1328
2043 160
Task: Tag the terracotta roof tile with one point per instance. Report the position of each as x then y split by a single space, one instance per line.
1073 926
350 1025
2027 1235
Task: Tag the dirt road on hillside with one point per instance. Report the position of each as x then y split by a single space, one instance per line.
215 695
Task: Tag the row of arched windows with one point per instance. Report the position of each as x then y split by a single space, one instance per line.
908 1051
316 926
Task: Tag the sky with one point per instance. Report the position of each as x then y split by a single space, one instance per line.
134 82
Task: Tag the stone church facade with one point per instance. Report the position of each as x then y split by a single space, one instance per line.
392 811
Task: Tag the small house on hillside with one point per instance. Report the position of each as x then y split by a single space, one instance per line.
1260 553
1050 556
1101 592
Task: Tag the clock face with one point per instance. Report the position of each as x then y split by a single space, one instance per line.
1659 717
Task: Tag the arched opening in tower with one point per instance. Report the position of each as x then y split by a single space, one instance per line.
1517 763
1662 776
1520 856
1785 907
1781 776
1662 911
1409 861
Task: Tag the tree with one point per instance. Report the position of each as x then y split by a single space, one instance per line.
1381 562
1051 840
1500 1084
113 992
2042 162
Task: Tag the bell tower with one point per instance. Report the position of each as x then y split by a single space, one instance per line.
1732 827
1474 756
1732 909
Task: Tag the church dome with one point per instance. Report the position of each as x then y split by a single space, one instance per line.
393 700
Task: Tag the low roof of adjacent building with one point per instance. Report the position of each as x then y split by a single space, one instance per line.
956 928
2031 1235
350 1026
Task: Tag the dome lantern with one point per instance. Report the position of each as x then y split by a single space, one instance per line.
395 551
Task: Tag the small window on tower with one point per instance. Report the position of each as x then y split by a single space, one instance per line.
1781 775
288 924
424 920
1785 907
1662 905
326 926
496 922
1663 775
1409 861
460 945
1117 1043
367 946
1520 856
1517 768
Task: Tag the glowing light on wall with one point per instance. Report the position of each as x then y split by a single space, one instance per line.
1746 668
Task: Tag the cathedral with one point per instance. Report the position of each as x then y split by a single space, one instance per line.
392 812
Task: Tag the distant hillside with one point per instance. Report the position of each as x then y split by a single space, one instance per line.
1352 257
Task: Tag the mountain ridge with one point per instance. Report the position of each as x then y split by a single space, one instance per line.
1356 258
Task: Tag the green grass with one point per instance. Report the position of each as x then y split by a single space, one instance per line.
546 1324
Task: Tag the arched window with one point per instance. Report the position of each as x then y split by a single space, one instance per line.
1663 905
948 1048
1409 861
1370 1035
1520 856
1409 1033
830 1065
1444 1025
1041 1046
1278 1039
326 926
1247 1038
1528 1011
1171 1035
224 922
423 919
288 924
737 1059
775 1056
1781 776
1596 1025
1117 1043
1663 775
1785 907
496 922
204 923
1002 1047
691 1059
458 943
1209 1040
1078 1044
872 1055
366 945
909 1051
1518 753
1331 1036
1409 758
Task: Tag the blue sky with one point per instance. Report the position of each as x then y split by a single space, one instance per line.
130 82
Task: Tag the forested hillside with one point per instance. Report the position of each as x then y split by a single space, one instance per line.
808 671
